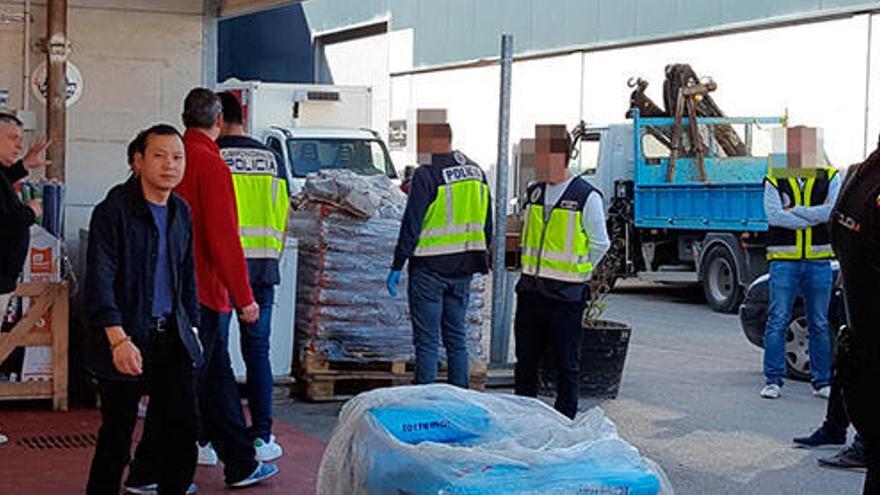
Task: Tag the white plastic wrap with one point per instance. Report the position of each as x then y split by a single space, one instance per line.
439 439
347 227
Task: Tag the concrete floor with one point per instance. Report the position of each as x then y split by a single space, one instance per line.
689 400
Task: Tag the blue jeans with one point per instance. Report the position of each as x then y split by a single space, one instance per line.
813 280
255 351
438 306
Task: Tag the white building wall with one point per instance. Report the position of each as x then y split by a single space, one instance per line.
137 60
816 72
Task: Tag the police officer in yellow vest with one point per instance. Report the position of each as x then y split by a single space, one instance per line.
445 236
563 239
261 193
798 201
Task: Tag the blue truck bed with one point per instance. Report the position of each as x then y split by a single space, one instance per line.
731 198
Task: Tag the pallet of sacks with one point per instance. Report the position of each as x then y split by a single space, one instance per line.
351 336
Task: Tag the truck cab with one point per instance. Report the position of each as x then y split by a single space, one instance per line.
309 149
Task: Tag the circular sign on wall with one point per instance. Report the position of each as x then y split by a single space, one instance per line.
74 83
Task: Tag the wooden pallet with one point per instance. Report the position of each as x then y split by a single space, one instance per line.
46 297
312 363
319 379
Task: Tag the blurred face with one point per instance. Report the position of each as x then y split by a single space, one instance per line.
10 143
551 153
162 164
432 139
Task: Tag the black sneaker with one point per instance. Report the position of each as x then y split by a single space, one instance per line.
850 457
820 438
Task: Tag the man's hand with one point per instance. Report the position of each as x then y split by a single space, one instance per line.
37 206
127 358
36 154
391 283
250 313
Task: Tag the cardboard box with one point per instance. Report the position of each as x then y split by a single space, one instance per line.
43 262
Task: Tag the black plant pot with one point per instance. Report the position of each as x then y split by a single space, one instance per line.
602 355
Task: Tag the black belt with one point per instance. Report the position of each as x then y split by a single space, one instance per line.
160 323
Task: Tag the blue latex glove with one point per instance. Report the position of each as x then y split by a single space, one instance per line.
391 283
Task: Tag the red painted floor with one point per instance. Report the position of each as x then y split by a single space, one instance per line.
30 470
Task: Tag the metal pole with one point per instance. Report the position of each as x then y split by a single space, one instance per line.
26 57
501 334
56 97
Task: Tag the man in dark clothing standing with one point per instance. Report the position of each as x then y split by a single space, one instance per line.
261 194
563 239
445 235
15 216
142 309
855 233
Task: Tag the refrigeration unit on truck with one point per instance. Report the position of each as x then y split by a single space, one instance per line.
700 220
314 127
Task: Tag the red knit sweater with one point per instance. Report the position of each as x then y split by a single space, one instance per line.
221 270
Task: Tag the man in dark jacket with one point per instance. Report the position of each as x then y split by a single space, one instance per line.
17 217
445 237
142 308
855 232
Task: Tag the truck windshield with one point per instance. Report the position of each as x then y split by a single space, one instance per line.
363 156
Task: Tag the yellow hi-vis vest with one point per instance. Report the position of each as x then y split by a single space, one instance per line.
456 219
813 243
557 248
262 200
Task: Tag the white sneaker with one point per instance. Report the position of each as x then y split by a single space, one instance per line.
771 391
3 439
267 451
822 392
207 455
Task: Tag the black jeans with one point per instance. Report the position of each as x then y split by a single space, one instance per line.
170 429
836 419
542 322
223 420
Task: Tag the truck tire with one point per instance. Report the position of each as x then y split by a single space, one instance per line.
721 285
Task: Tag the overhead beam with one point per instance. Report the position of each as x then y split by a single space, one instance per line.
232 8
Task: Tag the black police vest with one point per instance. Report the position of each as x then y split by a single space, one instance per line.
574 198
812 243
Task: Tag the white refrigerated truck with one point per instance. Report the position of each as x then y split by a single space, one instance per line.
314 127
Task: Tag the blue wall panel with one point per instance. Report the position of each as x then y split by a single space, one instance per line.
273 46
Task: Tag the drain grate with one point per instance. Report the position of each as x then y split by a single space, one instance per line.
46 442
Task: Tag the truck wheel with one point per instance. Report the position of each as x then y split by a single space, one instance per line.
720 280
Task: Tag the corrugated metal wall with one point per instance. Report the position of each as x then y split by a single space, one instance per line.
451 31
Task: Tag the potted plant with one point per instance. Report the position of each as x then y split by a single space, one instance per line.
602 351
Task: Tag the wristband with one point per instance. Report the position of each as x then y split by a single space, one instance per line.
120 342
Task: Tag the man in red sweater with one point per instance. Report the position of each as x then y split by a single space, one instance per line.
221 274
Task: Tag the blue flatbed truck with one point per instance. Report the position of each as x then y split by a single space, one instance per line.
693 224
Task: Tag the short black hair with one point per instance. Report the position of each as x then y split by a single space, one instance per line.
8 118
139 143
201 109
232 113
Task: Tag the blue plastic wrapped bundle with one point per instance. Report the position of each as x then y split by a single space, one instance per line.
436 439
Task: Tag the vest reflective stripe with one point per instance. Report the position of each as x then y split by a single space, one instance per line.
792 245
262 201
557 249
455 220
